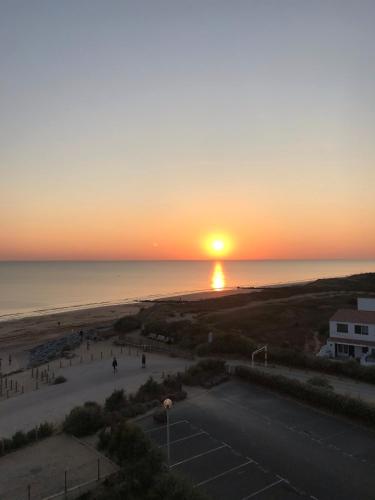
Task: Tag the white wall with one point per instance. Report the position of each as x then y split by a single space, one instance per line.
366 304
351 335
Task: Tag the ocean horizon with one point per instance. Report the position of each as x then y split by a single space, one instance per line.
42 287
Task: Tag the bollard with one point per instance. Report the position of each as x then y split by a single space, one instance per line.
28 492
7 393
98 469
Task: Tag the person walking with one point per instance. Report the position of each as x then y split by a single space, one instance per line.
143 360
114 364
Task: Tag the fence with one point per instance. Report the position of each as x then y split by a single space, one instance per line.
65 484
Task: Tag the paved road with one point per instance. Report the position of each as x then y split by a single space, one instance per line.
342 385
87 382
317 455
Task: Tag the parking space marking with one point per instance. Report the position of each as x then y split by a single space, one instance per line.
264 489
184 438
199 455
222 474
164 426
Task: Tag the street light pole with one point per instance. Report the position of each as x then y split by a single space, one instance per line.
167 403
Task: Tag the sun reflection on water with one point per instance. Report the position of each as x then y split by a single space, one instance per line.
218 277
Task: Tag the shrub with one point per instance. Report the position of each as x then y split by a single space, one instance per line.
329 400
149 390
45 429
160 416
59 380
128 324
174 487
203 371
32 435
84 420
104 439
320 382
116 401
19 439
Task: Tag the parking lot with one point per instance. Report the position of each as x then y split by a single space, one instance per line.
239 441
215 466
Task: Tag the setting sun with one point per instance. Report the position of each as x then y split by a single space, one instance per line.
218 245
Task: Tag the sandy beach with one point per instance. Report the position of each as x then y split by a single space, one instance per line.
17 336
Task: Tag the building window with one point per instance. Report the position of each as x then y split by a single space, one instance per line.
342 328
364 350
342 348
361 329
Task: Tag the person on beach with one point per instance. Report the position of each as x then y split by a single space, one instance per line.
143 360
114 364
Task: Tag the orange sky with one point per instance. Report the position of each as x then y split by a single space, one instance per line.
140 136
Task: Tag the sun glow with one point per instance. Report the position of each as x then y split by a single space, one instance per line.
218 245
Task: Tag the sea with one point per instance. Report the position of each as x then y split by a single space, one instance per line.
37 288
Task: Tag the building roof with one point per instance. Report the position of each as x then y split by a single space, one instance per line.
354 316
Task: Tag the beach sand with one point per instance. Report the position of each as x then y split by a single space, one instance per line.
17 336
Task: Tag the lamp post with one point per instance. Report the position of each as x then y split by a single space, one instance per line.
167 403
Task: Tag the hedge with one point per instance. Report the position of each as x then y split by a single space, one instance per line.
21 439
320 397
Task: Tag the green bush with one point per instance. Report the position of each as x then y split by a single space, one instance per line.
298 359
19 439
316 396
59 380
32 435
320 382
148 391
203 371
84 420
45 429
128 324
170 486
116 401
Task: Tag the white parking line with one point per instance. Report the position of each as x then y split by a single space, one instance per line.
183 439
164 426
222 474
264 489
199 455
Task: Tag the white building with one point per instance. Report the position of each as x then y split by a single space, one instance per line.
352 333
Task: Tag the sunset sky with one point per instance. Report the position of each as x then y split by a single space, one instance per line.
140 129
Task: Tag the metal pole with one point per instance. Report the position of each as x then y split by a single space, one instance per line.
98 469
168 441
29 492
66 482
